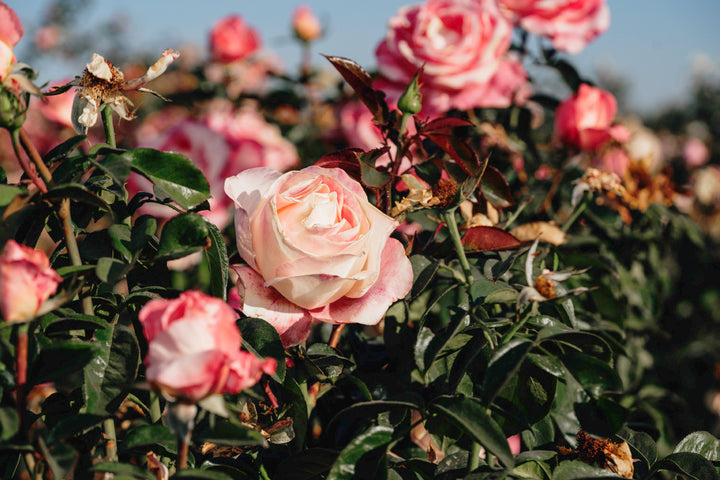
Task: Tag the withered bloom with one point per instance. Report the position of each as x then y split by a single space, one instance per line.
606 454
102 82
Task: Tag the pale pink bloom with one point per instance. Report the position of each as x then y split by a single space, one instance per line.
515 443
316 249
47 37
251 76
585 119
11 31
26 281
58 108
231 39
306 25
459 44
509 86
695 152
194 348
569 24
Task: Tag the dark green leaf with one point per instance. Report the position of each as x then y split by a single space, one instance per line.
182 235
113 369
64 149
702 443
641 444
116 167
371 176
504 363
307 464
593 374
470 416
76 322
365 410
9 423
262 339
70 269
73 424
576 470
175 174
495 188
374 437
147 435
217 258
61 359
123 468
424 271
76 192
120 237
143 230
692 465
602 417
201 474
231 435
111 270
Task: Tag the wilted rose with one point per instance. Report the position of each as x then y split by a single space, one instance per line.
585 119
231 39
194 348
11 31
569 24
316 249
306 25
26 281
459 45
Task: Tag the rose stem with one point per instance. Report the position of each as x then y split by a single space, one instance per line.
335 338
21 357
34 155
474 460
449 218
578 211
25 165
109 128
184 447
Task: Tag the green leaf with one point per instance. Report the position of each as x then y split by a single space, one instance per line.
111 270
175 174
424 271
61 359
217 258
120 237
702 443
469 415
371 176
112 370
116 167
76 322
9 423
261 338
576 470
182 235
602 417
64 149
143 230
73 424
374 437
201 474
8 193
70 269
365 410
504 363
495 188
231 435
307 464
78 193
692 465
642 445
123 468
147 435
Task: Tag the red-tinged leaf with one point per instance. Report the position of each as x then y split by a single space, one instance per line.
484 239
495 188
361 83
443 126
458 150
346 159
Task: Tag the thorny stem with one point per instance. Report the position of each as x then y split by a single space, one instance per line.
27 168
335 338
21 357
449 219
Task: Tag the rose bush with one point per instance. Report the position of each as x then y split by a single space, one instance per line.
569 24
585 119
194 348
231 39
316 249
459 45
26 281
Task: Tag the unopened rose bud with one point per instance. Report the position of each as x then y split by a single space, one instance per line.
306 25
12 109
410 101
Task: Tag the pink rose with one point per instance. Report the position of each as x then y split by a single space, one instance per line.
316 249
232 39
509 86
613 159
569 24
11 31
194 348
459 44
695 152
585 119
26 281
306 25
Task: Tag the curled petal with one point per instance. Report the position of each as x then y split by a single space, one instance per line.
99 67
157 69
84 113
393 283
291 322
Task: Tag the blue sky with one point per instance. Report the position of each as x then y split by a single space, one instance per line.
652 43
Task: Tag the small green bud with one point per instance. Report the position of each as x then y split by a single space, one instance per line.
410 101
12 109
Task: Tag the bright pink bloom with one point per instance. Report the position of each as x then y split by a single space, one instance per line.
316 249
306 25
194 348
11 31
569 24
26 281
232 39
585 120
459 44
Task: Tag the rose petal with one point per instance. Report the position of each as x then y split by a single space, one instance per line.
393 283
246 189
292 322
